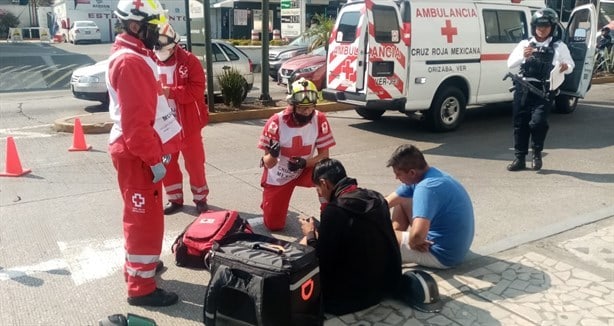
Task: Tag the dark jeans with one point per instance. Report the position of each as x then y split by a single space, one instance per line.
530 122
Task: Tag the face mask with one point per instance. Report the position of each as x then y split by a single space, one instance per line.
302 119
164 53
149 35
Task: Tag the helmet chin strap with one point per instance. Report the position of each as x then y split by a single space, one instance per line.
146 35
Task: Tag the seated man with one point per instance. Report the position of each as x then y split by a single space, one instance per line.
360 263
432 213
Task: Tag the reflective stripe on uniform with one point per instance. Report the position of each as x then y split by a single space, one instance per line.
197 190
199 197
174 196
142 259
141 273
176 186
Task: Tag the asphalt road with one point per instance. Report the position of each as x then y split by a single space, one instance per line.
60 226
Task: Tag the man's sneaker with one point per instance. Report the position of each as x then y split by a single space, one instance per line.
157 298
172 208
202 206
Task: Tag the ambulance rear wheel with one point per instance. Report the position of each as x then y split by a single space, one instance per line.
565 104
447 110
369 114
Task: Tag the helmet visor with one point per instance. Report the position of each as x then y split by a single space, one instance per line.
305 97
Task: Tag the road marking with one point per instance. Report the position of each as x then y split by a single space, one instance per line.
49 266
93 259
19 133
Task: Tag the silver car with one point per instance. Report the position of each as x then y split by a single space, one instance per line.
88 83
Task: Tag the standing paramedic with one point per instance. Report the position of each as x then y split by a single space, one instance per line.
432 213
290 139
536 58
144 131
184 86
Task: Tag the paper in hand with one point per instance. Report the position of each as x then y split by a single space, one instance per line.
556 77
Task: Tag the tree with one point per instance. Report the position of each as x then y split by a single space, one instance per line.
320 32
7 20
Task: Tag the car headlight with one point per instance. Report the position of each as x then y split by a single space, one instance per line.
286 55
309 69
89 79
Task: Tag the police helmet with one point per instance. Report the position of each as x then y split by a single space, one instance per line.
304 92
544 17
419 290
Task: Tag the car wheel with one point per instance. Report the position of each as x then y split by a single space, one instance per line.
447 110
370 114
565 104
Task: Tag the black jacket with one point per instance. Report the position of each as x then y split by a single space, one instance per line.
360 262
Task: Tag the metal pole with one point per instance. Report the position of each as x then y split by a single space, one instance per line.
208 54
265 97
188 26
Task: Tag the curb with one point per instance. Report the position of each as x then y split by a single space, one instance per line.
603 80
99 123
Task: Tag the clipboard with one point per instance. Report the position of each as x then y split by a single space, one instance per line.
556 77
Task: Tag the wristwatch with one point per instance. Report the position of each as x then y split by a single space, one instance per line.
312 240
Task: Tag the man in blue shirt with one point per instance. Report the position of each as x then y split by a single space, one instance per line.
432 212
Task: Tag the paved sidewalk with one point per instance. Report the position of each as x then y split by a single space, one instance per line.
567 279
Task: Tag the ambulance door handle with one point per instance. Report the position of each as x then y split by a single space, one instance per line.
360 63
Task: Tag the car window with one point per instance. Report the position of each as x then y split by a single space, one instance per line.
302 40
321 51
217 53
504 26
230 53
348 24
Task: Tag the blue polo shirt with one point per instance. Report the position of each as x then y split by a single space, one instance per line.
446 204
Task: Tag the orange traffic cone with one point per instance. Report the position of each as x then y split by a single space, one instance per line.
13 165
78 138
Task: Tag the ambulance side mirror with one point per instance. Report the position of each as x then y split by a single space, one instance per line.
579 35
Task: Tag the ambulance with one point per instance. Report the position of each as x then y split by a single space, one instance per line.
433 58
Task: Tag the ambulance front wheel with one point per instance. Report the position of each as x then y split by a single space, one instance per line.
369 114
565 104
447 110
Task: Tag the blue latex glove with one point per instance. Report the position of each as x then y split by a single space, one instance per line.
159 171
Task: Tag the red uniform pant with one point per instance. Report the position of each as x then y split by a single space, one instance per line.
276 199
193 152
143 220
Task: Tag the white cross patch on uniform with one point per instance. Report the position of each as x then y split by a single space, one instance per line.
138 200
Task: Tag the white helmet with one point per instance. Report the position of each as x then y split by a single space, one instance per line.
149 11
167 35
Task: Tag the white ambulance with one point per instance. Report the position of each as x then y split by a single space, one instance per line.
433 58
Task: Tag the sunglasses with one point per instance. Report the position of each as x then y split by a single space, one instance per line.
305 97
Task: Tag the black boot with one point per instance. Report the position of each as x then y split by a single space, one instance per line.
172 208
158 298
518 164
537 161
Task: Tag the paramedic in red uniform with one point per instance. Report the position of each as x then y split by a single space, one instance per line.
144 131
290 139
184 86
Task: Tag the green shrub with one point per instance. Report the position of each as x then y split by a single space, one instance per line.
7 20
256 42
232 85
278 42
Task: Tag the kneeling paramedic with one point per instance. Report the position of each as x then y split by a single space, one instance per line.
290 139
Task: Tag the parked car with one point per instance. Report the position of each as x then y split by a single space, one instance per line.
278 55
88 83
84 31
312 66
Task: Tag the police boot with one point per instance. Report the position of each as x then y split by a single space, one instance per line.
537 161
518 164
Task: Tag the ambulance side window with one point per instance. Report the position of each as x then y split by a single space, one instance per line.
504 26
348 25
386 24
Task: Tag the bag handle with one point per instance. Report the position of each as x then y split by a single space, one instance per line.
225 277
276 249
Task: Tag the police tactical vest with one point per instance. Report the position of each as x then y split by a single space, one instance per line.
539 64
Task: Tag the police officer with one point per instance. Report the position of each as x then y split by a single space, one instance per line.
536 57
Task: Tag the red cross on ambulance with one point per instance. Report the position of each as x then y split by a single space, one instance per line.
449 31
350 73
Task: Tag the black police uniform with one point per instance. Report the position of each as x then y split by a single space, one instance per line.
531 110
